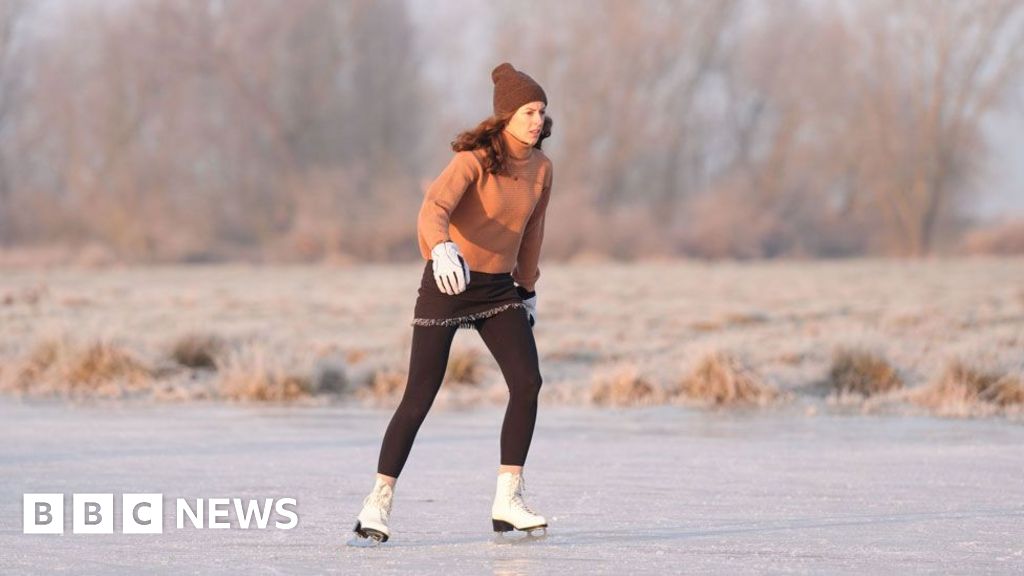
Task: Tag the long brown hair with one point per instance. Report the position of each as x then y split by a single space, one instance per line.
487 136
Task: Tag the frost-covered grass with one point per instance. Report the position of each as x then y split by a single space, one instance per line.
862 334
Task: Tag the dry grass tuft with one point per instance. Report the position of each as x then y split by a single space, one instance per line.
1006 392
197 350
102 362
61 367
388 382
857 372
964 390
465 366
33 369
383 387
623 386
722 380
250 374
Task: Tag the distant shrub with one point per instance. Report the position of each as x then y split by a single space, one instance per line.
60 366
964 390
387 382
251 373
1003 238
720 379
863 373
330 375
465 366
196 350
623 386
103 362
32 370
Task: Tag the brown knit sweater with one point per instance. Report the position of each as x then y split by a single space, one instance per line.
496 220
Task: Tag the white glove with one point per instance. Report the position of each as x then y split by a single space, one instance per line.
450 269
530 300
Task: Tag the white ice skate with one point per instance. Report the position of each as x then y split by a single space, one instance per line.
372 521
509 512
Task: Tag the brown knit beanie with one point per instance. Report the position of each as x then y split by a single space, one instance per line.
513 88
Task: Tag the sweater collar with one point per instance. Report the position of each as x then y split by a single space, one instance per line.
516 148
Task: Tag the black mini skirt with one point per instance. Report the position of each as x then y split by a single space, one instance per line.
486 295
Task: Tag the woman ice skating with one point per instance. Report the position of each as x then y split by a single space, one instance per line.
480 229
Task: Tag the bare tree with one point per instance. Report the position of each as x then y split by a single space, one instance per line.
12 12
259 128
931 73
635 141
170 130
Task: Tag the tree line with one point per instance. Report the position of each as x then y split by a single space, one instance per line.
206 130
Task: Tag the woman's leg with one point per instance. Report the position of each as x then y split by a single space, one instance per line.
510 339
427 364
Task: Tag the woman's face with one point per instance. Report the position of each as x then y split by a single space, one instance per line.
527 122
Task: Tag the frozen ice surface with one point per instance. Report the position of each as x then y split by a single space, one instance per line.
658 490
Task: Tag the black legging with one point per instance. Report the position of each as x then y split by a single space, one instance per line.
510 339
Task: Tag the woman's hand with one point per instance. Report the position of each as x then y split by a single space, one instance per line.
530 299
450 269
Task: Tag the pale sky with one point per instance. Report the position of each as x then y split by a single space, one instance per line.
1006 167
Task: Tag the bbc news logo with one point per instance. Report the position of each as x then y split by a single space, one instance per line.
143 513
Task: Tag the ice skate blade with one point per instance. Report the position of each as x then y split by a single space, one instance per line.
502 526
357 541
369 533
524 537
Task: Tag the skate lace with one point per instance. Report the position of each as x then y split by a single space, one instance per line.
382 501
518 492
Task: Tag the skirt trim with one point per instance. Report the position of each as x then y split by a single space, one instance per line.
468 320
